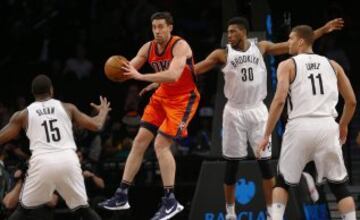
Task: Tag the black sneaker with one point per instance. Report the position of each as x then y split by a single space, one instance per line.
169 208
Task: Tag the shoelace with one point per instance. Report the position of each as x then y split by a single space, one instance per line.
113 199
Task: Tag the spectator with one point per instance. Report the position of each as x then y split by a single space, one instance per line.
79 65
203 135
94 183
4 182
132 99
90 141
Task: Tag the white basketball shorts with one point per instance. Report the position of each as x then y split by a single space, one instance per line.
241 125
312 139
49 172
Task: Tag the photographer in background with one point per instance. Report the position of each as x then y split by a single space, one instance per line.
11 198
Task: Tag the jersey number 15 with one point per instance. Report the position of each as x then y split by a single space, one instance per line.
52 132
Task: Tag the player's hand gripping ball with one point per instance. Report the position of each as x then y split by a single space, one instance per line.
113 68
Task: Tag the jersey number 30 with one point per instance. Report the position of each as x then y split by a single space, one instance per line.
247 74
52 132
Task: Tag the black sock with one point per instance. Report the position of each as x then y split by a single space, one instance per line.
168 190
125 185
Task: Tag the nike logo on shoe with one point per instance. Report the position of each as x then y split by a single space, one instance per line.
167 211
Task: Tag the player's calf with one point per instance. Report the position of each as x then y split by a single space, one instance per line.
344 199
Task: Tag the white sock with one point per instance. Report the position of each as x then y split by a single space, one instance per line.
230 209
269 209
349 216
278 210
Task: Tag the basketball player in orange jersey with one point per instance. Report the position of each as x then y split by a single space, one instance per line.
245 114
168 113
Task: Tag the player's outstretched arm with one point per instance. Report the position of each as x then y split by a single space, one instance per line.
348 94
13 128
216 57
330 26
267 47
283 76
92 123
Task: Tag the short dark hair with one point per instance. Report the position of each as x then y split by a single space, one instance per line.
163 15
41 85
242 22
305 32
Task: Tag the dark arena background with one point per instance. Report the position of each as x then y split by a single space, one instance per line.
70 40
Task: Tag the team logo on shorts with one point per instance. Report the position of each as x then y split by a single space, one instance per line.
182 125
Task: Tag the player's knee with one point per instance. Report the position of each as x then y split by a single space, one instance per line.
162 144
140 144
159 147
280 182
143 139
339 190
266 169
230 172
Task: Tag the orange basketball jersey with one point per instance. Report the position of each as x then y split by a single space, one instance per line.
160 62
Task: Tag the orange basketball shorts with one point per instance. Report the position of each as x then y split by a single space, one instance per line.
171 115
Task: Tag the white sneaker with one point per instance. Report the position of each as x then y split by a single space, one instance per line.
230 217
314 194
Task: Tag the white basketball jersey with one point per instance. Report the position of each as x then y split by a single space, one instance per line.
314 91
49 127
245 76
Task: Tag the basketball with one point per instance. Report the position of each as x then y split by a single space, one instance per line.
113 70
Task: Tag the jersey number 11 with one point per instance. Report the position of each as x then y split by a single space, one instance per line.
312 78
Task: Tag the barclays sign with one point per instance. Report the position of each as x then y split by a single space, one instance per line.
209 201
245 192
243 215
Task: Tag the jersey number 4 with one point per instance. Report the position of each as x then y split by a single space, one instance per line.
312 78
52 132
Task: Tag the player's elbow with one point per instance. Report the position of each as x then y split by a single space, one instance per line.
198 71
280 102
95 126
351 103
